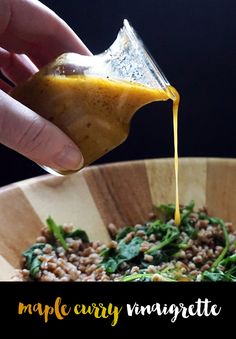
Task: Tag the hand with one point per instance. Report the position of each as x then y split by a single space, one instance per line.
31 35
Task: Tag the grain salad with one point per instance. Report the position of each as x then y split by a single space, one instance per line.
202 248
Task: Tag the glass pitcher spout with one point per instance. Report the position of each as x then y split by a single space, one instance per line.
132 62
93 98
127 59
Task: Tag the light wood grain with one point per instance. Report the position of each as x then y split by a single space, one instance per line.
19 224
221 189
67 200
192 180
7 271
121 192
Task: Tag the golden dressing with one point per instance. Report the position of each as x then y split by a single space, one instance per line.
175 129
94 112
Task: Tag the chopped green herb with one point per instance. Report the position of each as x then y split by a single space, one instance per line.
170 234
124 253
226 236
77 233
123 232
57 231
165 212
60 235
186 211
32 262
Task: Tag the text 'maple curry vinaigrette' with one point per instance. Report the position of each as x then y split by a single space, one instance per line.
94 112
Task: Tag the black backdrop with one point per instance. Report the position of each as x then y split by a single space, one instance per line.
194 42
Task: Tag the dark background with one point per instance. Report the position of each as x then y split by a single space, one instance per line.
194 42
138 327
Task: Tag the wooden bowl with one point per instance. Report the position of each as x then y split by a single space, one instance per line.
119 193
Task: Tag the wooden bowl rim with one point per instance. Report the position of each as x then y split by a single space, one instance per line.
49 177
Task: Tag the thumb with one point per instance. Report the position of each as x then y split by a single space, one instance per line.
36 138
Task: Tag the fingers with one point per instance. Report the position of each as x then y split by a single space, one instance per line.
30 27
4 87
15 67
39 140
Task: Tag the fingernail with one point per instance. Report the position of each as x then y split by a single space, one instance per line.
69 159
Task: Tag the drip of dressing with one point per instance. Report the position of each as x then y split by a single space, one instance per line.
174 95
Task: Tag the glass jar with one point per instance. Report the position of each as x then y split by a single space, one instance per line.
93 98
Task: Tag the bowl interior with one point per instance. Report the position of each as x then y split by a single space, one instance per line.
119 193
